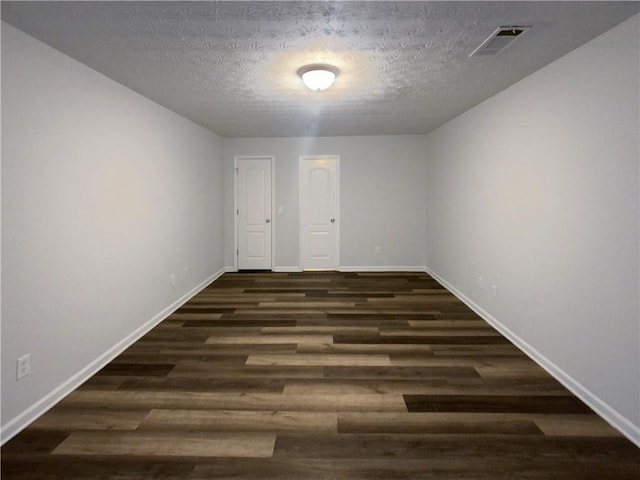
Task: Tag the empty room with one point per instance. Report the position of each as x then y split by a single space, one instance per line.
345 240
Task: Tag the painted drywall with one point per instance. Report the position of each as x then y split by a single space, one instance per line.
105 194
381 197
536 191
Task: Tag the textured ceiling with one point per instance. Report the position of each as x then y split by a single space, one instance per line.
231 66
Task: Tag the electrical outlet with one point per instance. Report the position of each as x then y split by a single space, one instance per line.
377 250
172 280
494 291
23 366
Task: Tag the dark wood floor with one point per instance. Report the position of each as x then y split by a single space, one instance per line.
335 376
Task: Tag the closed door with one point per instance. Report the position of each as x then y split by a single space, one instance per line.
253 213
319 207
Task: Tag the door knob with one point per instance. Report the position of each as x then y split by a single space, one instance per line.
268 220
333 220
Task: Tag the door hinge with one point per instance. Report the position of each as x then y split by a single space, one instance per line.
237 252
237 211
236 170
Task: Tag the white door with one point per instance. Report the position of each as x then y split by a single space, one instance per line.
319 207
253 213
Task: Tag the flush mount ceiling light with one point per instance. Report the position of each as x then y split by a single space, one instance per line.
318 77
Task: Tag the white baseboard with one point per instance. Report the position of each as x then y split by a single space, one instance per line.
612 416
286 269
273 269
21 421
369 268
395 268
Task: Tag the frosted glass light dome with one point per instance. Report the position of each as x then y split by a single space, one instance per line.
317 77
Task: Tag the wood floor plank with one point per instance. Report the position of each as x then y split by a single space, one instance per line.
280 312
438 332
419 324
372 349
476 350
362 387
528 369
137 400
436 423
319 330
436 386
582 425
496 403
485 363
102 382
96 467
33 442
119 368
233 358
242 421
197 384
395 372
390 468
270 339
306 305
445 449
237 322
210 369
212 351
168 444
90 419
196 316
559 425
422 339
319 360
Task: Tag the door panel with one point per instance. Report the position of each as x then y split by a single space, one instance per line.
319 245
253 211
255 242
255 195
319 227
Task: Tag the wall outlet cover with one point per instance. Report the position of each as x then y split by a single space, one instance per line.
23 366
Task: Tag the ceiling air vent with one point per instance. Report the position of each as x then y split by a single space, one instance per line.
499 40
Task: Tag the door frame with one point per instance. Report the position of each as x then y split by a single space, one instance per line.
272 161
336 206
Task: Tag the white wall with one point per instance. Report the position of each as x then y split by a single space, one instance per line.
104 195
381 197
536 190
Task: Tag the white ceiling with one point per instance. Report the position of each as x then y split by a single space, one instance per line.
231 66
